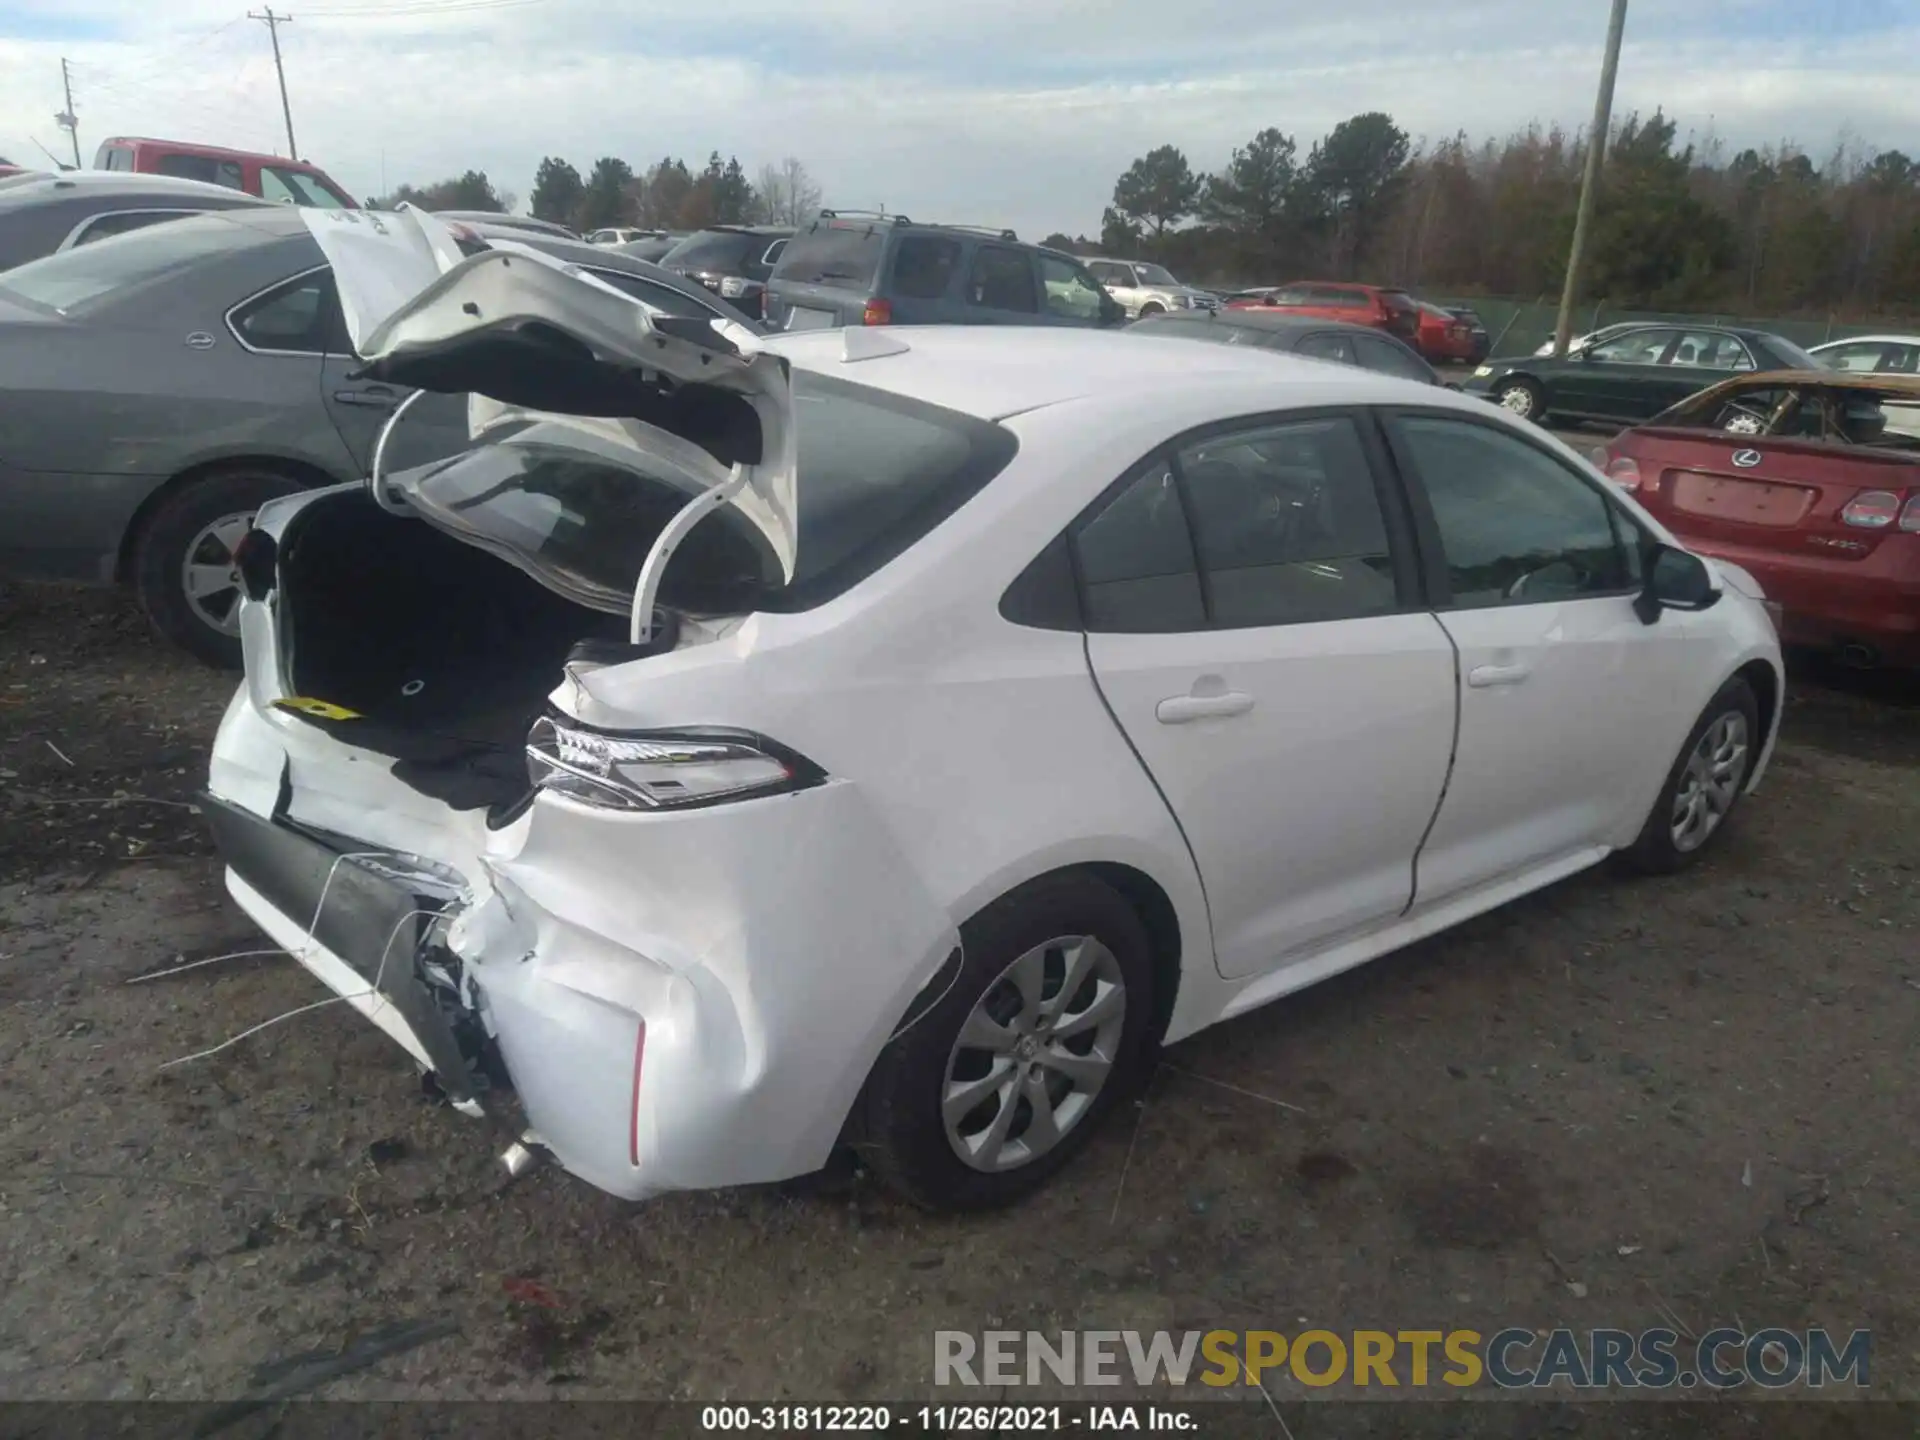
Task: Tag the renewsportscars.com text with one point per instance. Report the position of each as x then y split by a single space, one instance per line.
1510 1359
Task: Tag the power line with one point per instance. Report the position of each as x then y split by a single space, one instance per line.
273 23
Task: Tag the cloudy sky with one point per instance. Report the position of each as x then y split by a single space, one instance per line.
1018 112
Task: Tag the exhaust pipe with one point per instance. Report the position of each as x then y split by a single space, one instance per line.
523 1156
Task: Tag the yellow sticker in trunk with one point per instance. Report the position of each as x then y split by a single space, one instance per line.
319 709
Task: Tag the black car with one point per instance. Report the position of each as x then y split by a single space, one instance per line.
1481 341
1632 374
654 247
41 213
853 268
733 261
1317 339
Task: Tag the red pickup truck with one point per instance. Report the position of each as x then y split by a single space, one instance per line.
271 177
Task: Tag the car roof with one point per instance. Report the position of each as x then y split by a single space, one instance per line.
1886 384
194 147
995 371
1284 323
37 186
1864 340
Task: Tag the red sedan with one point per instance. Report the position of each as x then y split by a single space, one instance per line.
1394 311
1810 480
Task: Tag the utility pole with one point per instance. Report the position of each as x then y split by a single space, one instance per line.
66 119
273 23
1590 182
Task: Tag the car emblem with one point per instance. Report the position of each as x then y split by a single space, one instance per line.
199 340
1746 459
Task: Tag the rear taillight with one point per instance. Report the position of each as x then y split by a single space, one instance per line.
1622 471
1910 517
1873 510
878 312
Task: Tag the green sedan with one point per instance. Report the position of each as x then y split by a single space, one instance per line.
1632 374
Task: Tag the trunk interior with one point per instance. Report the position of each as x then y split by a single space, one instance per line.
446 653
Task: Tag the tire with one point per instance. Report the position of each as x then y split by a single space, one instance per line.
1521 398
200 521
1152 307
1707 778
1039 932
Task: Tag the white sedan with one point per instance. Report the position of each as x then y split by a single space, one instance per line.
886 738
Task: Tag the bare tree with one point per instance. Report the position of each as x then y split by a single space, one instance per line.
786 194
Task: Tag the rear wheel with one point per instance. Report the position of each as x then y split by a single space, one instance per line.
1704 785
1003 1080
1520 397
183 560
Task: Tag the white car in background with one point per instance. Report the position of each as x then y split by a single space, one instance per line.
1876 355
621 235
886 738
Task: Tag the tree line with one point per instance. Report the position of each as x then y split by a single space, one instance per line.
669 195
1681 226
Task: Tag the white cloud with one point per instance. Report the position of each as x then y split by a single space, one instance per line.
987 111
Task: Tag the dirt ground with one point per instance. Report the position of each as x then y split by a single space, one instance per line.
1628 1104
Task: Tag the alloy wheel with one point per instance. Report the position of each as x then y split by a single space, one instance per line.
1034 1053
1517 400
1710 782
210 576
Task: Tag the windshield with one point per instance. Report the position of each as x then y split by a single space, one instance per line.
713 250
846 255
1154 275
73 280
579 511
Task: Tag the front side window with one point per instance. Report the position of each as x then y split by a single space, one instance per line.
1002 279
1287 524
1109 273
297 317
1517 526
1071 292
923 266
1636 347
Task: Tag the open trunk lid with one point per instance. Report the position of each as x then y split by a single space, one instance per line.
551 355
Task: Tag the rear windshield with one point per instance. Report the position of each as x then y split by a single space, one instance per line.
715 249
833 254
74 280
876 473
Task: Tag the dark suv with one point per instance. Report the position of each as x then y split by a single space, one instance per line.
853 269
733 261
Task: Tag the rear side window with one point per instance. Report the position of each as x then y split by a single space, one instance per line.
1517 526
1387 358
204 168
1337 296
1002 279
837 254
1136 562
724 250
79 278
1288 525
300 317
923 266
1328 345
1109 273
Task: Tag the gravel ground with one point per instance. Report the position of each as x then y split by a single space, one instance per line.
1612 1104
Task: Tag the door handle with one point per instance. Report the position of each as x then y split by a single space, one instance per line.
1179 709
1483 677
372 399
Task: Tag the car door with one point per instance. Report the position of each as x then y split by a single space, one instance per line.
1571 708
1699 358
1253 624
1619 379
1068 294
1001 287
434 427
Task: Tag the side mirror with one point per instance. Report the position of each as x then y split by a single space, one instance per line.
1675 580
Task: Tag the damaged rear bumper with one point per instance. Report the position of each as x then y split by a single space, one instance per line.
680 1002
